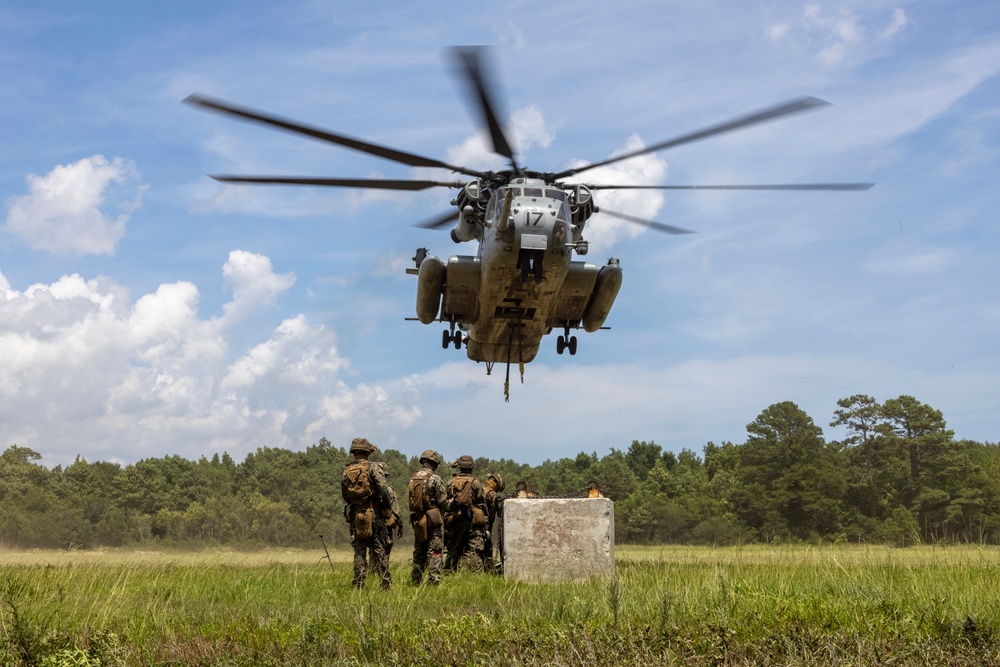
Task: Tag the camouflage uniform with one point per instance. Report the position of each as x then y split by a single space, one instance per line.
427 553
390 513
494 521
465 541
375 546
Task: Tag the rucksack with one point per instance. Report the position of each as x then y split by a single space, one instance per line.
419 500
462 486
356 483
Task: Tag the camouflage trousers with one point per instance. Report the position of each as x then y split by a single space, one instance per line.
427 557
465 548
373 551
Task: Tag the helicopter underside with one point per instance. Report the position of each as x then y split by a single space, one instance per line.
505 314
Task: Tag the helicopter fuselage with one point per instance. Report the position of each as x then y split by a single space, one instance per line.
523 282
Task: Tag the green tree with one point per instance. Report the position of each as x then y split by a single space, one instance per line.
790 483
641 456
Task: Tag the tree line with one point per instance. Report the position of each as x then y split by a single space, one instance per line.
900 477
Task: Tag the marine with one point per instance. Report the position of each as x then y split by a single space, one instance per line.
365 493
494 522
428 502
390 513
465 522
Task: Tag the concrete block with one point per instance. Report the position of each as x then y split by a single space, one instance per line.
558 539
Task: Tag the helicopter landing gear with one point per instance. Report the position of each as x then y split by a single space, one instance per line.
451 338
566 343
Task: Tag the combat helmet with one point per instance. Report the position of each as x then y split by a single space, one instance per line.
362 446
497 481
464 462
431 456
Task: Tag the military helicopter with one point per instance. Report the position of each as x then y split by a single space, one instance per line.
522 283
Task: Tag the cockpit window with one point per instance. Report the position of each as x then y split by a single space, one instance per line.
563 212
493 211
533 192
556 194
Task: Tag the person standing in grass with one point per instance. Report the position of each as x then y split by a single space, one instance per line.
365 491
390 513
465 523
428 500
494 522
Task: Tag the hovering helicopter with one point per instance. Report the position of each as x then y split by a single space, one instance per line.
522 283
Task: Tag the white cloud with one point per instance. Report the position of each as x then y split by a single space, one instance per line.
832 38
85 371
899 21
79 208
253 282
602 230
526 129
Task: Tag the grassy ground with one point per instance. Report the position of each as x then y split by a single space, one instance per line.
666 605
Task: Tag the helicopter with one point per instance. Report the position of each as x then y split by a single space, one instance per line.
523 282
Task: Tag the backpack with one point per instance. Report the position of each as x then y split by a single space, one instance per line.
419 500
462 490
356 484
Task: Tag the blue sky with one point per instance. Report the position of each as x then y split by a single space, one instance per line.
147 310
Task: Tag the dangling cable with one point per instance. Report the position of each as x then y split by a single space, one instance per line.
520 343
506 381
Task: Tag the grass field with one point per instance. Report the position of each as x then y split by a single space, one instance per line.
837 604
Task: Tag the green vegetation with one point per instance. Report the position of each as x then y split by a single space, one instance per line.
899 477
835 604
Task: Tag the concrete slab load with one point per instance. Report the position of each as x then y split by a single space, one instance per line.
558 539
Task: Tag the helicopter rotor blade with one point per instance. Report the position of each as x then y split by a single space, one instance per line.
472 61
368 183
777 186
659 226
771 113
439 221
393 154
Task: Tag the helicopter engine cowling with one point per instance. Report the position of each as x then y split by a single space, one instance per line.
430 286
466 228
609 281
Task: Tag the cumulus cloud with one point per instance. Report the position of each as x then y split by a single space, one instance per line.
253 282
80 208
87 371
527 128
602 230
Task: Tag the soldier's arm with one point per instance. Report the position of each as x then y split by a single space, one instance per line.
440 494
380 485
478 495
394 503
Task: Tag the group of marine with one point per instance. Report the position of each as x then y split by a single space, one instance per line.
452 523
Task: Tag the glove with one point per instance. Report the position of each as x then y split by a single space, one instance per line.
399 530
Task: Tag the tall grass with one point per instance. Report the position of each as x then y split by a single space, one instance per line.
670 605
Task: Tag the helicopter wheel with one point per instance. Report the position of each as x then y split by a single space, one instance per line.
457 339
560 344
572 345
537 267
445 339
525 269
